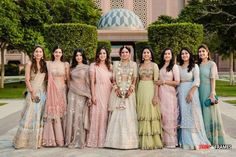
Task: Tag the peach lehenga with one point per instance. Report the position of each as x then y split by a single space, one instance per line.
55 108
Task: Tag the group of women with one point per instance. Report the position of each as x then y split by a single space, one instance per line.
122 106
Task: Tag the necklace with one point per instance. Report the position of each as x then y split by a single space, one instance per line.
124 70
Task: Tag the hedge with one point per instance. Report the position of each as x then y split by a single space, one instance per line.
70 36
139 47
106 44
176 36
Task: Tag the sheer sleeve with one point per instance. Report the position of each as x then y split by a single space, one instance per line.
114 68
87 78
67 71
155 72
196 79
176 73
92 71
214 72
135 69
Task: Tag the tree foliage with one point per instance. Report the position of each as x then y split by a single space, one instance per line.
10 27
10 30
175 36
73 11
22 21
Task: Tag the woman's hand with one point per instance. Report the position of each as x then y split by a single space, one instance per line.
155 101
118 92
94 101
189 97
161 82
130 91
33 95
89 102
212 97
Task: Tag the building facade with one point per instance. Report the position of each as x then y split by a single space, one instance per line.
120 22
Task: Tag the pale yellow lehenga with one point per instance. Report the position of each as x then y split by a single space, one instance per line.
29 133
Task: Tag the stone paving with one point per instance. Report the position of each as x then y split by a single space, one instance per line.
14 106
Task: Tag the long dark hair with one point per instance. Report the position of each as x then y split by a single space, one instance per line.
124 47
42 62
191 58
162 61
107 61
207 49
152 55
53 50
74 62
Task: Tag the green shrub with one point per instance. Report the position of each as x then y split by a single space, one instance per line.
70 36
105 43
175 36
139 47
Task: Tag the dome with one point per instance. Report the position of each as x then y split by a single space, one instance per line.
120 18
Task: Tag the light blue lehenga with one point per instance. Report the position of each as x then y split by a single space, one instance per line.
192 131
29 133
211 115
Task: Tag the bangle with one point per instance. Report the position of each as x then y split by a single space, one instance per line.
213 93
115 87
132 87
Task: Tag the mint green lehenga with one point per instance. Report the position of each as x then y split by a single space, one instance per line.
149 116
211 115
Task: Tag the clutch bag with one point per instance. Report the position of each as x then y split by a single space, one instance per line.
209 103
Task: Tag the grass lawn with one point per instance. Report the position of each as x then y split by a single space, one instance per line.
15 90
224 89
231 102
1 104
12 91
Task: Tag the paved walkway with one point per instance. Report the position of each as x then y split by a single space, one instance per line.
10 114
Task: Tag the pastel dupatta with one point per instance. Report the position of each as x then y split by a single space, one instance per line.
55 103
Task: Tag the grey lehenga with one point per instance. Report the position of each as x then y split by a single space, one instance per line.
29 133
77 109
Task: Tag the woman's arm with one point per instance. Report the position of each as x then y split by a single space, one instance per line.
67 70
92 82
27 80
195 84
175 82
214 75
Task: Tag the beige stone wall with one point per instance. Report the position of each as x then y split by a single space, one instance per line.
153 9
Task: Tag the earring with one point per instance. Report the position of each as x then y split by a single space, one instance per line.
143 59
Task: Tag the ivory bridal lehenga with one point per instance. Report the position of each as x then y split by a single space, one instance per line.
122 132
